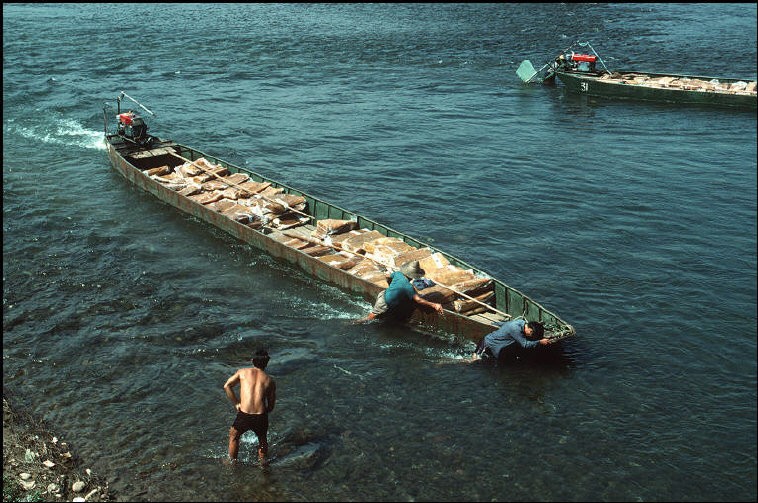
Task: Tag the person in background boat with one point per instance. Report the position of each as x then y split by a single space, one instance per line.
400 294
257 398
511 336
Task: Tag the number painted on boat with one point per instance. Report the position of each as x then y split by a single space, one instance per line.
584 86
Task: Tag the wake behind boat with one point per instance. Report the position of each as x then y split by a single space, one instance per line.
586 73
335 245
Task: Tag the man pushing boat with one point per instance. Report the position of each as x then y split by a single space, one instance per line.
509 339
400 296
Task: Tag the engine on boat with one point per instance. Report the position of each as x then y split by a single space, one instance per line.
133 127
584 63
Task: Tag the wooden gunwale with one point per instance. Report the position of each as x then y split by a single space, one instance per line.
130 160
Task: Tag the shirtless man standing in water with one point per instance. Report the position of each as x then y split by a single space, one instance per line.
257 399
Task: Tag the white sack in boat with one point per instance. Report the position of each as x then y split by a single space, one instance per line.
433 262
291 201
190 190
330 226
207 197
355 243
236 178
449 275
410 256
396 244
159 171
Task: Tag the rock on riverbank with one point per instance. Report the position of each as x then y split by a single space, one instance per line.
38 465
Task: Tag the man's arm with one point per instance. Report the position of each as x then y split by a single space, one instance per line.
271 396
525 343
419 300
228 388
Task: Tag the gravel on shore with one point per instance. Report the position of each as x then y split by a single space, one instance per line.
39 465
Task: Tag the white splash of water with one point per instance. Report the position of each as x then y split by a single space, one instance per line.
61 131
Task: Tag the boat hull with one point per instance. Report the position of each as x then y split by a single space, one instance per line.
122 158
593 85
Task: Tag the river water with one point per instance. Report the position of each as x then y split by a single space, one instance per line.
634 222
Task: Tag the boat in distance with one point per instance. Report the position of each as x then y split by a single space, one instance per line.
335 245
580 74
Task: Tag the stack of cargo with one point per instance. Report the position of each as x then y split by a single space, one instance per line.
377 255
685 83
255 204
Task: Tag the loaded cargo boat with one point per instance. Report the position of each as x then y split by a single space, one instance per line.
333 244
586 73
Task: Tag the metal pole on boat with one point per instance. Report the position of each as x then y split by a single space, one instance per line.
596 54
137 102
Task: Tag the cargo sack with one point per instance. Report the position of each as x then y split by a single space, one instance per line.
271 192
316 250
238 212
251 187
207 197
159 171
287 221
222 205
188 170
465 305
330 226
291 201
385 249
385 241
342 260
438 294
214 185
433 262
190 190
356 243
336 240
367 267
412 255
474 287
236 178
231 193
450 275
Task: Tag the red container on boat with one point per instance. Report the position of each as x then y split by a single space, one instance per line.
126 118
584 57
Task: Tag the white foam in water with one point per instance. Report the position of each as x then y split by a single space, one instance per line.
63 132
326 311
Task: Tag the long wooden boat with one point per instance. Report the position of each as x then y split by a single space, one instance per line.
333 244
587 74
673 88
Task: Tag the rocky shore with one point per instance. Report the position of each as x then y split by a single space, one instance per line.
38 464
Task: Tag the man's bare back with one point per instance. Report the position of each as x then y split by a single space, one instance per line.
257 399
257 391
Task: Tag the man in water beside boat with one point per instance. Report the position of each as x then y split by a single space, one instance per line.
400 295
257 398
507 340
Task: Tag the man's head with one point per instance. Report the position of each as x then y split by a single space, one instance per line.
412 270
534 330
260 359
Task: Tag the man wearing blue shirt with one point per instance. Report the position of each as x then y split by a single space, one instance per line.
400 294
511 335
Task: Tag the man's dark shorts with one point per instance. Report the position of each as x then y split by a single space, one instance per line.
256 422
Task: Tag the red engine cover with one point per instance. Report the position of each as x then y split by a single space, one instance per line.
584 57
126 118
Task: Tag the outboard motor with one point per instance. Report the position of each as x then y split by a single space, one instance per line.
584 63
133 127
